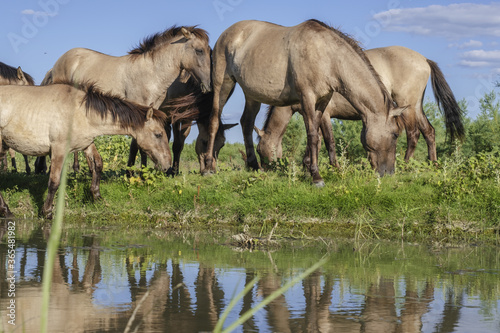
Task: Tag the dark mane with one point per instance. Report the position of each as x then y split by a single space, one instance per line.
317 25
150 43
269 113
10 73
193 106
128 113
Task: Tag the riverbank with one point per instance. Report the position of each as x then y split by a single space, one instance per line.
457 201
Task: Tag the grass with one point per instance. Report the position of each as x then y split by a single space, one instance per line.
455 201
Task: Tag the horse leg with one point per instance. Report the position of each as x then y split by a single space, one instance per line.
12 154
94 161
144 158
247 122
4 209
3 163
329 139
76 163
41 165
312 119
223 86
56 165
134 148
429 134
180 135
26 163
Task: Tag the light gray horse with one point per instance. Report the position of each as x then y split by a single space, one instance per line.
303 64
38 120
15 76
146 73
405 73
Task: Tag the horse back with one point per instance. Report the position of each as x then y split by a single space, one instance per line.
403 71
82 65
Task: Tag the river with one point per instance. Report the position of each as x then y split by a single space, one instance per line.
173 280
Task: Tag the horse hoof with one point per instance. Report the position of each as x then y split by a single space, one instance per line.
319 183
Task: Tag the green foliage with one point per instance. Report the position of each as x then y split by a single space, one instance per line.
347 138
295 138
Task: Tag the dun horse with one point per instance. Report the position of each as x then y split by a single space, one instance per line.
12 76
405 73
60 118
303 64
146 73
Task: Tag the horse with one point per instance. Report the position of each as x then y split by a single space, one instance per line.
11 75
184 95
145 74
304 64
60 119
405 73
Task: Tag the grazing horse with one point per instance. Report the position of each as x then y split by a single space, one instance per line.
12 76
146 73
303 64
59 118
405 73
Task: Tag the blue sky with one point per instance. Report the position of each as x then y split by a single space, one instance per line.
461 36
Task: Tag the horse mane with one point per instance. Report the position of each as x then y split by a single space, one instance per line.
152 42
269 113
193 106
128 113
355 45
10 73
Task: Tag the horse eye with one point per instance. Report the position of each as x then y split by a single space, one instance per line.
396 135
199 52
158 135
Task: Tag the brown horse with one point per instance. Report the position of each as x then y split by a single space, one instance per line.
146 73
303 64
59 118
12 76
405 73
185 96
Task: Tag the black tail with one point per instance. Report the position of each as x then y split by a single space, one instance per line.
447 103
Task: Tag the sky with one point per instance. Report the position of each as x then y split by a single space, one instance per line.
463 37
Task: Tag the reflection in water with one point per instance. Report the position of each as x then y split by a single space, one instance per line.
145 282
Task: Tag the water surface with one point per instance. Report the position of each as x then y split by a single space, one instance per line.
108 280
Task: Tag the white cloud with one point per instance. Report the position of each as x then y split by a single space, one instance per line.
467 45
480 58
37 13
453 21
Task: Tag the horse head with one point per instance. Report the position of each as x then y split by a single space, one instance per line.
197 57
379 137
153 140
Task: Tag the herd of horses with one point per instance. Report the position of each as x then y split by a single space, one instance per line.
174 78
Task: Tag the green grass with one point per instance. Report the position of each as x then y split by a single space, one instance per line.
459 200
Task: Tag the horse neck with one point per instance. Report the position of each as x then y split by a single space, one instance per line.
365 93
108 126
155 74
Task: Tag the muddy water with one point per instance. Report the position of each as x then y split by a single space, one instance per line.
109 280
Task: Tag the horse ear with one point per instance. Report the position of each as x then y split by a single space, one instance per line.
186 33
228 126
259 132
149 115
20 73
398 111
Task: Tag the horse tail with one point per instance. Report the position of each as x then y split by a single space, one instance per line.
48 79
446 102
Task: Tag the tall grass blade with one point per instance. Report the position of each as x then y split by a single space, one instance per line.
247 315
52 246
232 304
